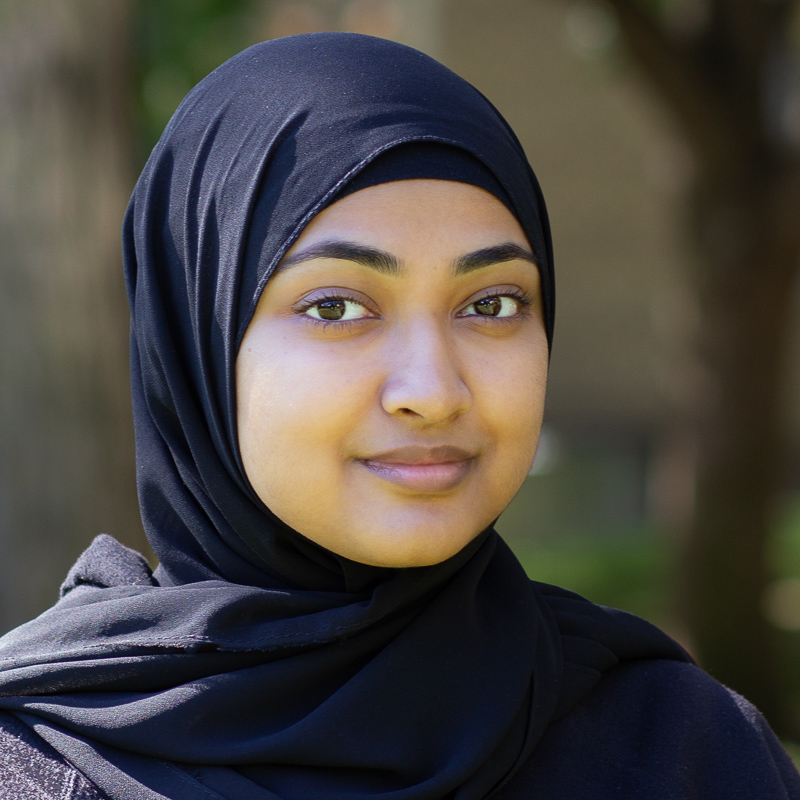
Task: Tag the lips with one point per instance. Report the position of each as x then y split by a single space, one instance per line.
426 470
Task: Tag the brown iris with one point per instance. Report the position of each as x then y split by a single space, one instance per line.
489 306
332 310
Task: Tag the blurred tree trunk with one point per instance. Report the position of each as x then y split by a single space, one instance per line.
726 79
66 440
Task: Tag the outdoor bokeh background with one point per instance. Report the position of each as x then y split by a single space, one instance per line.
667 480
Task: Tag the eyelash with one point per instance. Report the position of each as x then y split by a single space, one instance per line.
303 307
524 299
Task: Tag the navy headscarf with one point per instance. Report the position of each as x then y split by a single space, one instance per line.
255 664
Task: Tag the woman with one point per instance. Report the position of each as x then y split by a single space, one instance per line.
340 276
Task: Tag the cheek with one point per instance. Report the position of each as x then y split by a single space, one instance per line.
516 418
511 389
298 410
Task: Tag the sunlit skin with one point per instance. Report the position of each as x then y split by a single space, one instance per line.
389 404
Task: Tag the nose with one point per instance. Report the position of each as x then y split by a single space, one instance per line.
424 382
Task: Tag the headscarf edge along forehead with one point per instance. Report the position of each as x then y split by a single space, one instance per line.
542 246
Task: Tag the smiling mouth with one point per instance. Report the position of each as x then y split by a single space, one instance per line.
427 470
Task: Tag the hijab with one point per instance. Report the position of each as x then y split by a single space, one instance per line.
254 663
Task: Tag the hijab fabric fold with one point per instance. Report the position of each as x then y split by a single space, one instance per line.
254 664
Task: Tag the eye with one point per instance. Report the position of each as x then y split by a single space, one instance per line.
493 306
336 309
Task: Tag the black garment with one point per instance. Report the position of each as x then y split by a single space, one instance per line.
254 663
657 730
661 730
32 770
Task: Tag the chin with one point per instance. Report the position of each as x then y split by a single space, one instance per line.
414 549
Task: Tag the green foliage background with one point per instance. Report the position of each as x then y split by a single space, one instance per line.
175 44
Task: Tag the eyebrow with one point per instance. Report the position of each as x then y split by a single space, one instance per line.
388 264
370 257
478 259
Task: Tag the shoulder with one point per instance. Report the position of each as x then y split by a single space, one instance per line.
31 770
660 729
665 703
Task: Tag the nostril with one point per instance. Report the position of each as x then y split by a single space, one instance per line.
426 384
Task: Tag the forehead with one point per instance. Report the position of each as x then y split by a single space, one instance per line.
404 216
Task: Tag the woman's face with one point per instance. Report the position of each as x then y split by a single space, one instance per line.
391 384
